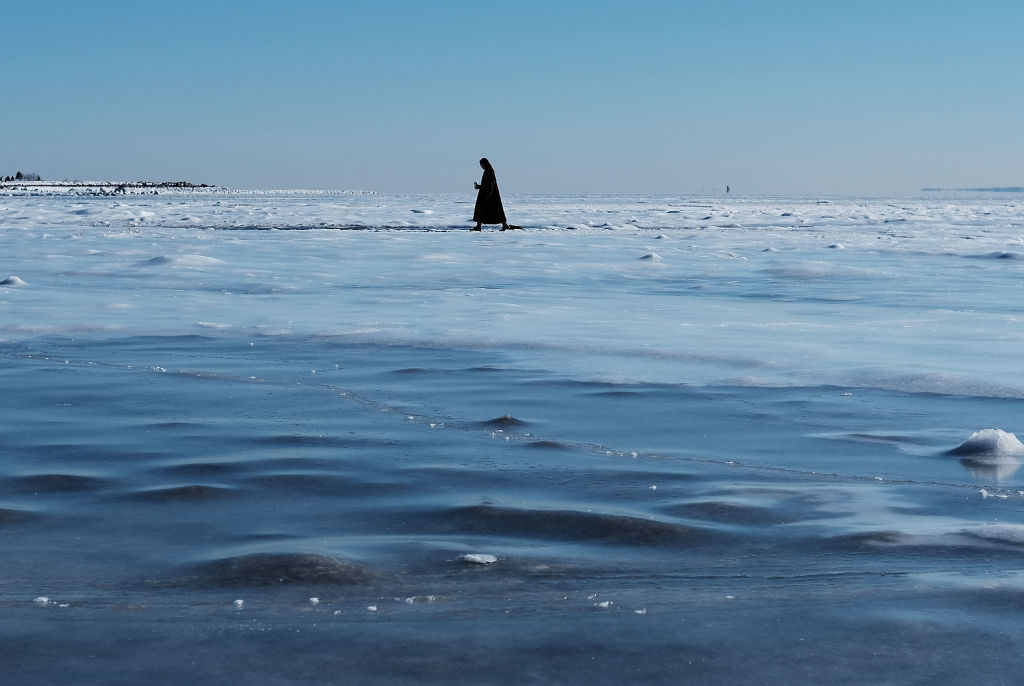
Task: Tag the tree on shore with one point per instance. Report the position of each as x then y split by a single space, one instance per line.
27 176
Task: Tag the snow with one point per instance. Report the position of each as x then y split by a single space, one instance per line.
750 291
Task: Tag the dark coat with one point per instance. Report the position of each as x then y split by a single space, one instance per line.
488 201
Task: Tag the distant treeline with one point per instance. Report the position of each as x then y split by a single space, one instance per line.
23 177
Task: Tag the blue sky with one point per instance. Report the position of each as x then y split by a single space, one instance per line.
574 96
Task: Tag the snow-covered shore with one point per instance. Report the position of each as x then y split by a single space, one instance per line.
100 188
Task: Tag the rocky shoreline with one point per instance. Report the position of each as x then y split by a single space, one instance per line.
22 187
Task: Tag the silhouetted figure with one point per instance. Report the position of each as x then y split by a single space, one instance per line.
488 208
726 189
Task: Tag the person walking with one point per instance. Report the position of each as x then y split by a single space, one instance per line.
488 208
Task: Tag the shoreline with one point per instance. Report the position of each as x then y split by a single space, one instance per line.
141 188
100 188
126 184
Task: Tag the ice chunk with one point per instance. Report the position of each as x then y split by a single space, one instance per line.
990 443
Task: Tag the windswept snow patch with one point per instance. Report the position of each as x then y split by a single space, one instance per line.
189 261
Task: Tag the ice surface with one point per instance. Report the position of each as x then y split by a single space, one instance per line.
319 401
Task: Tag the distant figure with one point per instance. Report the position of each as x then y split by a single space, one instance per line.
488 201
726 189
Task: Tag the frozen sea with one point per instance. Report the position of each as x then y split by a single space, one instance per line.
327 437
